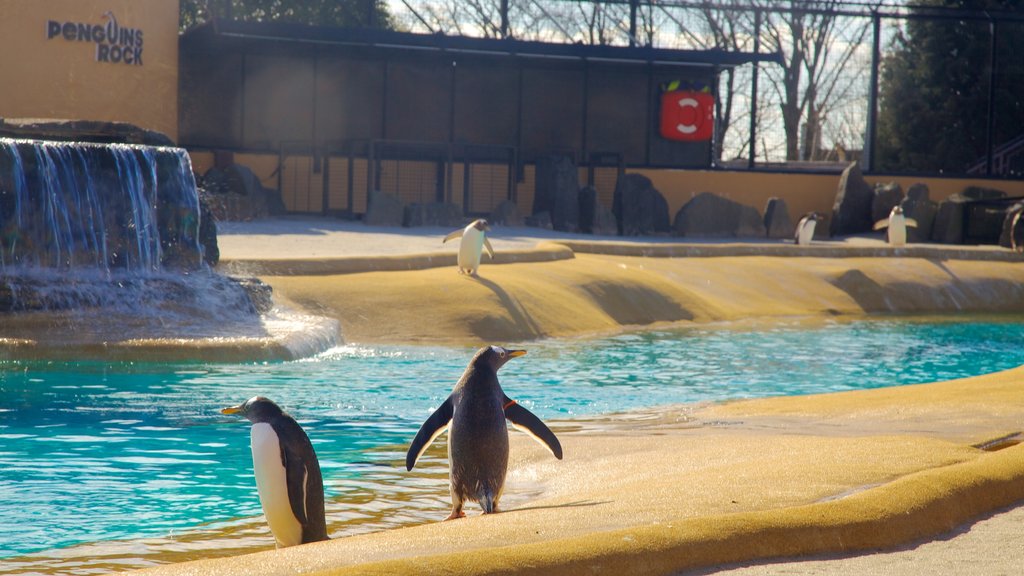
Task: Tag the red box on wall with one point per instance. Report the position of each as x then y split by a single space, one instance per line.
687 116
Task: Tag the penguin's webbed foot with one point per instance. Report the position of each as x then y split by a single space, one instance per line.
455 515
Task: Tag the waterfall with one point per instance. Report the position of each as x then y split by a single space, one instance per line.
97 206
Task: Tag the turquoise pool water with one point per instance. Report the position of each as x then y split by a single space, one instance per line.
93 452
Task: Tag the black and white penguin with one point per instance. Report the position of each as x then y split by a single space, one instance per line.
474 415
897 224
474 240
287 472
805 228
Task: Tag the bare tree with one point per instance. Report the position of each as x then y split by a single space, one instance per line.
816 44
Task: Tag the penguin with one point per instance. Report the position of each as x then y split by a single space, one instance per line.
805 228
1017 232
474 240
287 472
897 226
474 415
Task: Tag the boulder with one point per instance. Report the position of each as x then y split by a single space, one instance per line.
710 215
918 192
887 196
541 220
97 131
594 217
433 214
777 222
923 212
949 221
557 192
506 214
383 209
236 193
638 207
851 212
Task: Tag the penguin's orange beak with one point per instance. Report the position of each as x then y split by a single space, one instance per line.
516 353
231 410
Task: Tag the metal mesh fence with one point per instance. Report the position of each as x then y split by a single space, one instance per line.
903 86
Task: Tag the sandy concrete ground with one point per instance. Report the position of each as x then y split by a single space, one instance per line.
688 488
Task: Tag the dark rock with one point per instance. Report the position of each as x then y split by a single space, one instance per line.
506 214
918 192
433 214
383 209
97 131
923 212
235 193
208 234
709 215
261 294
638 207
887 196
777 222
851 213
557 192
68 205
594 217
949 221
541 220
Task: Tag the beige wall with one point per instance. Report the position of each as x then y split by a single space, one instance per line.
60 78
802 192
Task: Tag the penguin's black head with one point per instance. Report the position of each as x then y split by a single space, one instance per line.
256 409
481 225
495 356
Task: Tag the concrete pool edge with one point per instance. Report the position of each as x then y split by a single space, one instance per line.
909 509
562 249
914 507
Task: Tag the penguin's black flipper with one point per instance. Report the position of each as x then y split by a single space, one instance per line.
525 420
295 469
305 484
431 429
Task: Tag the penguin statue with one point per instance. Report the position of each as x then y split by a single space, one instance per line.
287 472
474 415
805 228
474 240
897 224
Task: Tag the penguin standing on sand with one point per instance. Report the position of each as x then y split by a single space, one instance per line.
474 240
897 226
287 473
805 228
474 415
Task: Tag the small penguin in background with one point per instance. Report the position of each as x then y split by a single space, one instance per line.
287 473
474 415
897 226
805 228
474 240
1017 233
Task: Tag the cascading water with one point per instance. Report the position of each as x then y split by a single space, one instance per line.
102 245
102 207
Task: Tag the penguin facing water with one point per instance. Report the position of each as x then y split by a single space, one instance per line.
805 228
287 473
474 241
897 224
474 415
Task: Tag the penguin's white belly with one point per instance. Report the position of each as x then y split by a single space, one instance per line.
897 230
272 485
470 249
807 232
